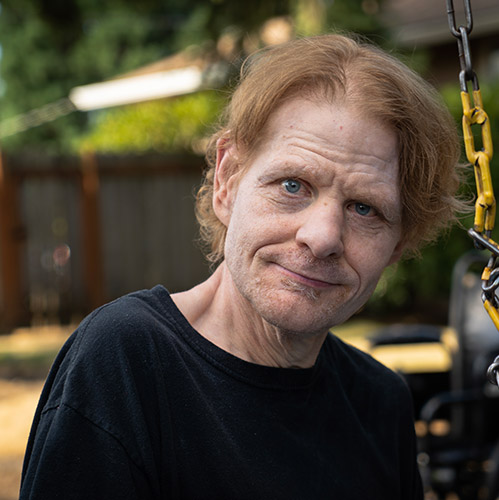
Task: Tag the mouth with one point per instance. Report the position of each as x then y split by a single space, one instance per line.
303 279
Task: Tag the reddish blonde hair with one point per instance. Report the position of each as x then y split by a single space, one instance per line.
339 67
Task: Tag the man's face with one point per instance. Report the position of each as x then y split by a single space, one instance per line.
315 218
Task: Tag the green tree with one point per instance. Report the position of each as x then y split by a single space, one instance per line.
173 125
50 46
208 23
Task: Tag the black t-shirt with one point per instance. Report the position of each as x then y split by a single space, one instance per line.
138 405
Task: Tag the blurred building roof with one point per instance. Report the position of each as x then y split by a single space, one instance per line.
424 22
188 71
179 74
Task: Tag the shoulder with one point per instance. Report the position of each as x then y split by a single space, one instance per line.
130 321
143 307
359 371
110 376
120 345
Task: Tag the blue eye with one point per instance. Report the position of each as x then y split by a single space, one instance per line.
363 209
292 185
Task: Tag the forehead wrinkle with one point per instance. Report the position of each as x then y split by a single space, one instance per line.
300 163
334 152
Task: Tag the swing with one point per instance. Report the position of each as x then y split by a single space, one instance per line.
485 205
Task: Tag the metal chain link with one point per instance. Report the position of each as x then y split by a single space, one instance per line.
485 206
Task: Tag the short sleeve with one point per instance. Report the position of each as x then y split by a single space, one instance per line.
72 458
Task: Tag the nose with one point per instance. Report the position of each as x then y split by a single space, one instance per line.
322 230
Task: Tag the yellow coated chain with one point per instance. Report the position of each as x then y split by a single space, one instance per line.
485 206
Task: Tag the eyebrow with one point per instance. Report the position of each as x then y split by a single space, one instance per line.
386 201
292 169
389 205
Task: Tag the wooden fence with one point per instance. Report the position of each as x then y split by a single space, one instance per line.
76 232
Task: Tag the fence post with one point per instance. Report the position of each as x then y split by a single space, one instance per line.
11 238
91 237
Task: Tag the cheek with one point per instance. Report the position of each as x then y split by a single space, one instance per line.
242 233
250 240
370 257
254 217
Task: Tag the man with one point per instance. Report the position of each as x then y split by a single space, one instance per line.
334 160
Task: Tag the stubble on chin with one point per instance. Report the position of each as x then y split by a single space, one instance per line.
313 314
263 295
306 291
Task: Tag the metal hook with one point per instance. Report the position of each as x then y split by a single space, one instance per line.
493 372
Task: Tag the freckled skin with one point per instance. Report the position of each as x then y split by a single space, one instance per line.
311 225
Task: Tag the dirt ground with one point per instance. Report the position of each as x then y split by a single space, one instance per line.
18 401
19 396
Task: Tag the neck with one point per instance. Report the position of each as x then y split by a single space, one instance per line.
217 310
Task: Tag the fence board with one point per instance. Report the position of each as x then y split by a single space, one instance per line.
147 229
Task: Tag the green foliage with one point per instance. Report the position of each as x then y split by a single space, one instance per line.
166 126
356 16
419 287
209 19
52 46
175 125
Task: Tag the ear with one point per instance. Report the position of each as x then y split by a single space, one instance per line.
397 252
224 181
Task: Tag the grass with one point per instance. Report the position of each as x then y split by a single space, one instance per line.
26 366
28 353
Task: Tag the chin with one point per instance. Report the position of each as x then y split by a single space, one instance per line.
303 315
293 307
